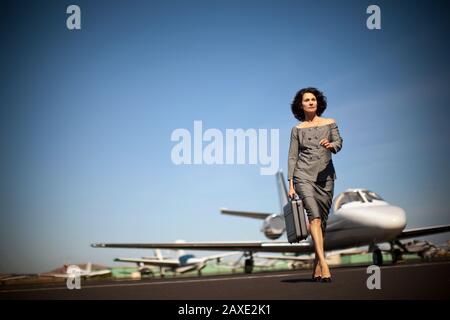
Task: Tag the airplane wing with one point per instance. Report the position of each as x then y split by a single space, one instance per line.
8 278
151 262
218 256
67 275
247 214
97 273
54 275
425 231
248 246
287 258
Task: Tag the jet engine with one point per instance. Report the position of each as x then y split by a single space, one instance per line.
273 226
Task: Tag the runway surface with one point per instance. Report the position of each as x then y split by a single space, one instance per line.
404 281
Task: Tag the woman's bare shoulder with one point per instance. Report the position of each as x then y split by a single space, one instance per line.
329 120
323 122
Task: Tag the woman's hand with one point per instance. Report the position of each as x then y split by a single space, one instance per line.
325 143
292 193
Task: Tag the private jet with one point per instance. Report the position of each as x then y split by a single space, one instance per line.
182 264
358 217
69 271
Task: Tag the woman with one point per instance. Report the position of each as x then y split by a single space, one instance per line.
311 172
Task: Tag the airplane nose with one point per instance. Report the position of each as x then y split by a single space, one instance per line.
396 218
385 217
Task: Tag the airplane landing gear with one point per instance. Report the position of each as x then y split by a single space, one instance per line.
396 255
146 273
377 257
248 266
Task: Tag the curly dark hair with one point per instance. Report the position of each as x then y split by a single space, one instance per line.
296 105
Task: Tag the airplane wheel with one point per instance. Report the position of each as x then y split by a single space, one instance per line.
396 255
248 268
146 273
377 257
422 256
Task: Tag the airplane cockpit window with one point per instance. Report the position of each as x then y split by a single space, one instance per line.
348 197
185 258
370 196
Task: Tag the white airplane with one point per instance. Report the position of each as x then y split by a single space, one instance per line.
145 269
69 271
182 264
358 217
4 278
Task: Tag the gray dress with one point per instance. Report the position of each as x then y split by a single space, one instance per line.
311 168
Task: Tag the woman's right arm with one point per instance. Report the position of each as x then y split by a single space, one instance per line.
291 192
292 160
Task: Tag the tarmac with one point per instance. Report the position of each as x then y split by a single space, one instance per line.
429 280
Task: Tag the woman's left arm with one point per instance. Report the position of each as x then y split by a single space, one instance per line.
336 139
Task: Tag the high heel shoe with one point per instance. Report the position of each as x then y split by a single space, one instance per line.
326 279
316 278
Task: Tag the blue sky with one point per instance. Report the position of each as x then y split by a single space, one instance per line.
86 116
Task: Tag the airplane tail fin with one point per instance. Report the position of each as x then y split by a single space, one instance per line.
158 254
282 197
282 190
179 252
89 267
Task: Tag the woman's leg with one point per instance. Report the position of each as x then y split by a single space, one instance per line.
316 266
316 233
317 272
